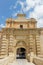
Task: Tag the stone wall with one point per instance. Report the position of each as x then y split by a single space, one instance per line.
38 61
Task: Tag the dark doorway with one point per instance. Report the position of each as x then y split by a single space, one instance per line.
21 53
21 26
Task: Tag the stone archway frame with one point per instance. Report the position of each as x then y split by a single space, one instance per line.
21 44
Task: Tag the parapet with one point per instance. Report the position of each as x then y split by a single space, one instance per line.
21 15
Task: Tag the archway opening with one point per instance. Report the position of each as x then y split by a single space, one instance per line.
21 53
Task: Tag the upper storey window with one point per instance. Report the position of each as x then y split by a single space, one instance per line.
21 26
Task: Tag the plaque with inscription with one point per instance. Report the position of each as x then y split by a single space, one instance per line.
20 37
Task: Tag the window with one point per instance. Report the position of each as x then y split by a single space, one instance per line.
21 26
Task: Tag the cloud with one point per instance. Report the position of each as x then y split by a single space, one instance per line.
15 6
14 14
2 25
37 10
37 13
40 23
2 17
26 7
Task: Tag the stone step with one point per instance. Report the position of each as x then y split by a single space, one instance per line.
21 62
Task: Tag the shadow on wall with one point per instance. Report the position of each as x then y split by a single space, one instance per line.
35 59
38 61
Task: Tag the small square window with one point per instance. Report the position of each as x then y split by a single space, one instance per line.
21 26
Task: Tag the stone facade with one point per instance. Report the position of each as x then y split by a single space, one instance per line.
21 33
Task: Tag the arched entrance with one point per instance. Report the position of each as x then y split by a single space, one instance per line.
21 53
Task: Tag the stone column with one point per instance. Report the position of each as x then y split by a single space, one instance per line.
34 44
14 50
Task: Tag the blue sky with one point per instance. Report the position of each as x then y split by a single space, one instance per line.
32 9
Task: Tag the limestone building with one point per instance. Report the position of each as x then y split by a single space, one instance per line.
20 37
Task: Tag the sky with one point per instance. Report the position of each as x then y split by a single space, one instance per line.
32 9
